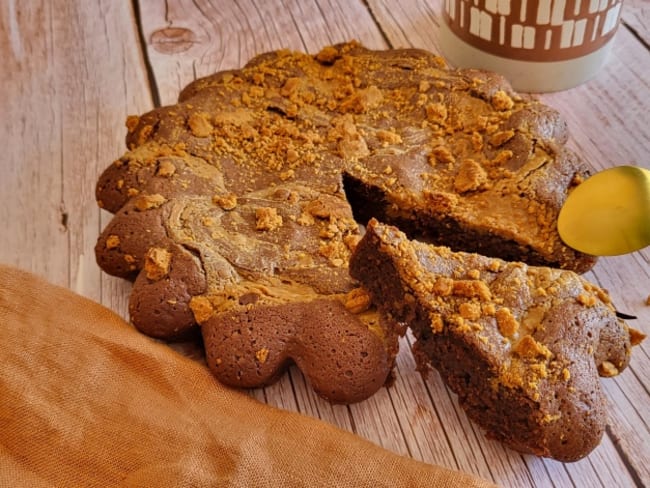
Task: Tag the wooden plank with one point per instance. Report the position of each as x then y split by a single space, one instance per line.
618 132
422 426
311 404
376 420
32 181
71 73
635 16
629 428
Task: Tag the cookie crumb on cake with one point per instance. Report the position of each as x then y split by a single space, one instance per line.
267 219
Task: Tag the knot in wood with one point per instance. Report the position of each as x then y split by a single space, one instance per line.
172 40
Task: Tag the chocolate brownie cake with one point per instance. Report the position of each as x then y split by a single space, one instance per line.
237 208
522 346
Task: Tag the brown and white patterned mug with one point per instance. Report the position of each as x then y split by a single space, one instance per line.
539 45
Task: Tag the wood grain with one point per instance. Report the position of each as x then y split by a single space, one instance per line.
635 16
73 71
70 76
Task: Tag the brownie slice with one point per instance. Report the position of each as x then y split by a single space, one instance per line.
522 346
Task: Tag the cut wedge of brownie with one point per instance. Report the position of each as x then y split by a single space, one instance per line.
522 346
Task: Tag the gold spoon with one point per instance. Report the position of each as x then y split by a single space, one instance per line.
609 213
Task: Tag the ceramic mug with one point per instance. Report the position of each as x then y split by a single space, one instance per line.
539 45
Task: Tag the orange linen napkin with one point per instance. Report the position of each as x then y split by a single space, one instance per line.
85 400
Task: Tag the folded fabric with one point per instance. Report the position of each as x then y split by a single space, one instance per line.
87 401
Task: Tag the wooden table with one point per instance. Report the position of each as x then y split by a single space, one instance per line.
72 71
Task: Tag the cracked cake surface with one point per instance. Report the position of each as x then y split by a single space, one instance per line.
237 208
522 346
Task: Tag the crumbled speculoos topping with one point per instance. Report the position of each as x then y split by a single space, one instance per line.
156 263
226 202
112 241
147 202
202 308
636 336
262 354
357 301
267 218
